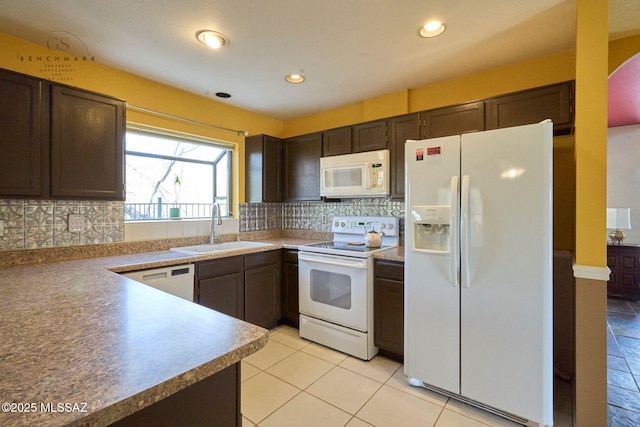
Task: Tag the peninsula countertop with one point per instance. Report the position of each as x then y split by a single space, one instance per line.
104 346
77 333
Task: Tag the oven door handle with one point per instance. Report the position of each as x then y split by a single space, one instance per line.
329 261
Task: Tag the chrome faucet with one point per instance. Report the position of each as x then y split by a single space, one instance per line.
215 213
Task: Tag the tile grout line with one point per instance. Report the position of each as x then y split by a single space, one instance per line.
355 415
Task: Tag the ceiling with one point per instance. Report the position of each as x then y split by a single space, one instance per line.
348 51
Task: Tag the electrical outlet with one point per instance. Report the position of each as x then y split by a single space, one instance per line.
76 223
1 227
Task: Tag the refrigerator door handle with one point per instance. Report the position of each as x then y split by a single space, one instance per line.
453 233
464 233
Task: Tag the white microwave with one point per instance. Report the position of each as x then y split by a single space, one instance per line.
355 175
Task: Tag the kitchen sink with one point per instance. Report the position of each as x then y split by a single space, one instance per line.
218 247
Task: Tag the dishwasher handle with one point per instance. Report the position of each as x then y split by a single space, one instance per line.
155 276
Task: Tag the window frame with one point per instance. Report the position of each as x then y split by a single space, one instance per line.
228 148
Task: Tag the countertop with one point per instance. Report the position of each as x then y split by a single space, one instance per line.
75 332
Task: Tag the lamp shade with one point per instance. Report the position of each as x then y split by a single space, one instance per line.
619 218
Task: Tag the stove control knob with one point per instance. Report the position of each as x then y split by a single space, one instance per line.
336 223
342 224
383 226
390 226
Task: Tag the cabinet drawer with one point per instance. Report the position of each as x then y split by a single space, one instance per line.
290 256
219 267
259 259
389 270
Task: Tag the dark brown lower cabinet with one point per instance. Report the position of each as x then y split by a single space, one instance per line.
214 401
246 287
624 263
388 307
262 288
220 285
290 310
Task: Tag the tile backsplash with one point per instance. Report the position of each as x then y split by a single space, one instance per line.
31 224
34 224
314 216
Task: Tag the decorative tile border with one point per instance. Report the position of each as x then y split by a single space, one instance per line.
314 216
36 224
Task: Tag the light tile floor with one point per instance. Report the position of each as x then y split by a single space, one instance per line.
294 382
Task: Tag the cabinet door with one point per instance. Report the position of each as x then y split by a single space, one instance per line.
262 294
336 141
454 120
263 169
400 129
272 187
388 300
290 311
87 145
224 294
302 172
624 262
553 102
23 141
370 136
389 315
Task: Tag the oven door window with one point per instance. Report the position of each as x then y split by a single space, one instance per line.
330 288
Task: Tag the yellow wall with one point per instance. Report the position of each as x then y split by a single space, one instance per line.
523 75
591 178
621 50
32 59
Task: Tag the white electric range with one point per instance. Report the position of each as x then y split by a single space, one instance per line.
336 285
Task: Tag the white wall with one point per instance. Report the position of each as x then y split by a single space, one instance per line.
623 175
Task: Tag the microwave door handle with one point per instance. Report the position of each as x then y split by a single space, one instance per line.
367 175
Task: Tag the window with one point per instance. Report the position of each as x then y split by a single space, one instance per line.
172 176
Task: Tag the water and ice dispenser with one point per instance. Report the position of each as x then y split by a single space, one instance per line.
430 227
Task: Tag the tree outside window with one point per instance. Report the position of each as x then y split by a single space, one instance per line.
171 177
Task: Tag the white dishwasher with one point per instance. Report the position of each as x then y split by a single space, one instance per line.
176 280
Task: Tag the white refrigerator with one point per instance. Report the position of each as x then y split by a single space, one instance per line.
478 269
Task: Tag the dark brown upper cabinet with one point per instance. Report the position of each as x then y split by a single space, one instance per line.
302 167
400 129
553 102
454 120
59 142
337 141
87 145
23 137
370 136
263 169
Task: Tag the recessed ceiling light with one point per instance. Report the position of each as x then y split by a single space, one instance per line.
431 29
294 78
212 39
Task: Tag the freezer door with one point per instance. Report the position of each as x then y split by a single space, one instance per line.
506 298
432 294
